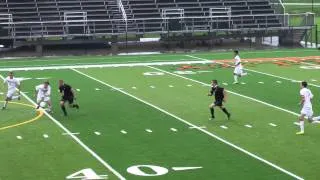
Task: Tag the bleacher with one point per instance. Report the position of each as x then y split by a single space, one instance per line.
143 15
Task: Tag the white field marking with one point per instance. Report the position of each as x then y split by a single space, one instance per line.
173 129
123 132
189 85
279 82
199 129
314 80
300 4
248 126
171 86
296 123
149 130
97 133
45 136
76 139
19 137
204 71
134 87
106 65
185 168
243 83
259 72
78 90
77 133
261 82
97 89
1 93
152 87
234 93
224 127
225 84
271 124
44 78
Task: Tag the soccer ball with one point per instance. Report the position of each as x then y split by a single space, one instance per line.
43 104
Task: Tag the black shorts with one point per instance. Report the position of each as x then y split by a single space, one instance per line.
68 99
218 103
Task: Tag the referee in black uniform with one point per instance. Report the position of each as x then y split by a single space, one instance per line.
220 96
67 95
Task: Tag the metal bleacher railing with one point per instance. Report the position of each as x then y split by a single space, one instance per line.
182 24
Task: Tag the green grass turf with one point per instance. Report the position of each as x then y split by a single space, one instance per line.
109 112
245 112
84 60
35 157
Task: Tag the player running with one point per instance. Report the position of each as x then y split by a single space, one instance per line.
306 111
43 93
67 95
238 69
220 96
13 85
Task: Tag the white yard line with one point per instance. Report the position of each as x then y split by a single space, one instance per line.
196 127
76 139
247 97
259 72
58 67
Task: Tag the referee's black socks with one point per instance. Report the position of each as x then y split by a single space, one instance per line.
212 112
225 111
64 110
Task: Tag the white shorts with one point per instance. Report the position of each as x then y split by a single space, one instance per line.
307 112
43 98
11 93
238 70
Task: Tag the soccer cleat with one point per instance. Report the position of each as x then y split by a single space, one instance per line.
300 133
212 118
19 98
3 108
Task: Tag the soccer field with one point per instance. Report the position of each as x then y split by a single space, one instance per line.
147 117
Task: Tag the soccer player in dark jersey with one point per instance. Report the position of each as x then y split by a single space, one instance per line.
220 96
67 95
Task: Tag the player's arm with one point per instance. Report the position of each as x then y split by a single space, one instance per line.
225 94
61 91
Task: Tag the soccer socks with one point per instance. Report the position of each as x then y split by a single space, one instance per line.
75 106
235 78
301 126
64 110
5 105
212 112
225 111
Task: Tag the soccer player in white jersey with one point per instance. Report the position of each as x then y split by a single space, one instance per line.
13 85
43 93
238 69
306 111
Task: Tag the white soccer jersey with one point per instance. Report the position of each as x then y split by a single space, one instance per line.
42 91
307 94
12 83
237 60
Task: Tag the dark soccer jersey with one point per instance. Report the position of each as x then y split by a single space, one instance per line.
66 90
218 93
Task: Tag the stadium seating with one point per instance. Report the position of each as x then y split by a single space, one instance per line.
245 14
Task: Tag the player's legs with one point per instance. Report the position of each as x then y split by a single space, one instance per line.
236 74
72 103
225 111
301 123
9 97
63 107
211 107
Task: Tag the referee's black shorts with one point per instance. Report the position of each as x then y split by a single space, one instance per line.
218 103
